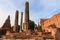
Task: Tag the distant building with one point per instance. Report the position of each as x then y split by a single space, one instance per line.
6 26
50 24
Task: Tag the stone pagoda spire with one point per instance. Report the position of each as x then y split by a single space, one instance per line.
21 21
26 21
16 21
7 24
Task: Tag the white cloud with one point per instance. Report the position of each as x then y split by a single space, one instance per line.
6 8
49 8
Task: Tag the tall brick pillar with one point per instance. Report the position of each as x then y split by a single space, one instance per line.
26 21
21 21
16 22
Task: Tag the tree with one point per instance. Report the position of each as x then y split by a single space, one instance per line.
31 25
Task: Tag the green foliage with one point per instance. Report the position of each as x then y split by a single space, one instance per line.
31 25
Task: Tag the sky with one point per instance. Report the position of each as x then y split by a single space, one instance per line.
37 9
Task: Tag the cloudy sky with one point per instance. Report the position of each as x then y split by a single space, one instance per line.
38 9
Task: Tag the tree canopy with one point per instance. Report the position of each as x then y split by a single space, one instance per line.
31 25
